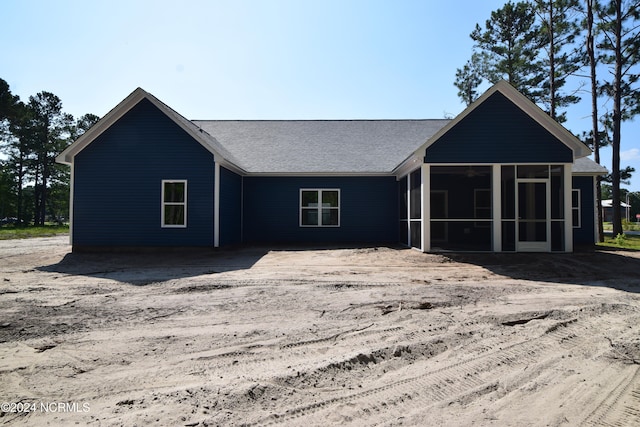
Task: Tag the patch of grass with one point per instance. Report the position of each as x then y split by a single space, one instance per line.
622 241
626 226
12 232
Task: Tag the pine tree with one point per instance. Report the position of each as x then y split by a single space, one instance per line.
509 44
619 22
561 58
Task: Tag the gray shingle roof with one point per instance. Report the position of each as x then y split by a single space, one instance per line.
587 166
320 146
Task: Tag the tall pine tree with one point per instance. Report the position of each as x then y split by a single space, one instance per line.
506 48
619 22
561 57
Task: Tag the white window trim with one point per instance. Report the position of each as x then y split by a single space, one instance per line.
319 208
163 203
576 208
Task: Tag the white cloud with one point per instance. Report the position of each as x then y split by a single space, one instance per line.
629 155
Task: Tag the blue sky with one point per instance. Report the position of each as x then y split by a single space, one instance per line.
270 59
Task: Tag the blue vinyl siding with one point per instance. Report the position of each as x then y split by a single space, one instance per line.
497 131
585 235
117 184
368 210
230 208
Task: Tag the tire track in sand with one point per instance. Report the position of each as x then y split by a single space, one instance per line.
468 377
621 406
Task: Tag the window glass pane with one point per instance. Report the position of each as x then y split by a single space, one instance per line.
576 218
329 199
309 198
174 192
575 198
174 214
329 216
309 217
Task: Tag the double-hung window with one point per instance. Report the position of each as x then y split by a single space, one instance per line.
319 207
174 203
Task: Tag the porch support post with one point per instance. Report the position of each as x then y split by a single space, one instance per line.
216 205
425 190
496 196
568 222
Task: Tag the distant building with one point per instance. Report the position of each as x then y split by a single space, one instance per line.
607 210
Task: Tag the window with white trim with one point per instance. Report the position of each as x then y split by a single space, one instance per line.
575 208
319 207
174 203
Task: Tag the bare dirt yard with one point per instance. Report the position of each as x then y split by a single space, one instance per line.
360 336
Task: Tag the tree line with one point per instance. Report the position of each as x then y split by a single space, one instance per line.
34 189
554 51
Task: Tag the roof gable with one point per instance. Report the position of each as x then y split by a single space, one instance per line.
138 95
497 131
527 107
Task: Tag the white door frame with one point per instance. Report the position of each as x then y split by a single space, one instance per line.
544 246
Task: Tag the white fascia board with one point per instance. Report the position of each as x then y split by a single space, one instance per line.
318 174
409 165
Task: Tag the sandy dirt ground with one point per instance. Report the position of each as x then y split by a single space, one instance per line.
315 337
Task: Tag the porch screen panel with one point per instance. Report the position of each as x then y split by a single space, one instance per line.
558 215
557 235
509 236
403 206
416 197
416 234
461 208
508 202
557 192
403 202
508 192
463 236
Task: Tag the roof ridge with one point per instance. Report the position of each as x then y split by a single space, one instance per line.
318 120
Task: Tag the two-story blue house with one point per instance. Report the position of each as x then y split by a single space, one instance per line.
501 176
